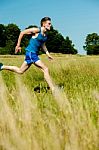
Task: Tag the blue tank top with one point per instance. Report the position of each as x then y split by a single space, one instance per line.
36 43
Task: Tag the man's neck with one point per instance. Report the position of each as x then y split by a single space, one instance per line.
43 29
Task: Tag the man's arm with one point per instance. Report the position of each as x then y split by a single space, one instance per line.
46 51
22 33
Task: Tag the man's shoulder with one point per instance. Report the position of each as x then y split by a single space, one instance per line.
36 29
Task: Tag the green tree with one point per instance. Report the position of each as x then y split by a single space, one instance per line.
56 43
67 47
12 33
2 36
92 44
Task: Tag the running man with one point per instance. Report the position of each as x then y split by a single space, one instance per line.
37 40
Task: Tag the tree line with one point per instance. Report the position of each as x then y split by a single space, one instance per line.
56 42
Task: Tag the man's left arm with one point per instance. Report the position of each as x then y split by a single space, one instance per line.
46 51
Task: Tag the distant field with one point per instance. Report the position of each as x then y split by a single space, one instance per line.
32 118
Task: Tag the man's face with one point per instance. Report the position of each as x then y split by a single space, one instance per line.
47 25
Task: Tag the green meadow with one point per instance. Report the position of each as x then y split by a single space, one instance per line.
34 118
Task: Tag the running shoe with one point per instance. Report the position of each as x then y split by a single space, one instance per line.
1 66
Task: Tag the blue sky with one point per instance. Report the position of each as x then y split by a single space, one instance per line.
73 18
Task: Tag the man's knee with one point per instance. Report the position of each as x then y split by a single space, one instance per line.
46 70
20 71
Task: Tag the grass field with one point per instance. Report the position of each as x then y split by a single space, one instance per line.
32 118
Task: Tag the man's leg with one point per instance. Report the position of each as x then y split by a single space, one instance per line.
16 69
47 77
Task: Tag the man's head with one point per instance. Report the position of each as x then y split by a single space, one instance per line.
46 22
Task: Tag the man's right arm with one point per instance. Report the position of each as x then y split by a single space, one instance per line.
22 33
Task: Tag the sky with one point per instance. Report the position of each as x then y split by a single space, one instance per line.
73 18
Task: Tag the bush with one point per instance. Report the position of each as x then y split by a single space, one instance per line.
3 51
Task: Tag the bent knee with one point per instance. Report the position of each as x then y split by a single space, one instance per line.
46 70
20 71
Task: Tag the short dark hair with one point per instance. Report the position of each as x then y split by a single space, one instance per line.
45 19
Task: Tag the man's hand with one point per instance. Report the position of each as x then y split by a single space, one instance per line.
50 57
17 49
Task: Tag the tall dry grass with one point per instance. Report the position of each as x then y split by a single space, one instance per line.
65 120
